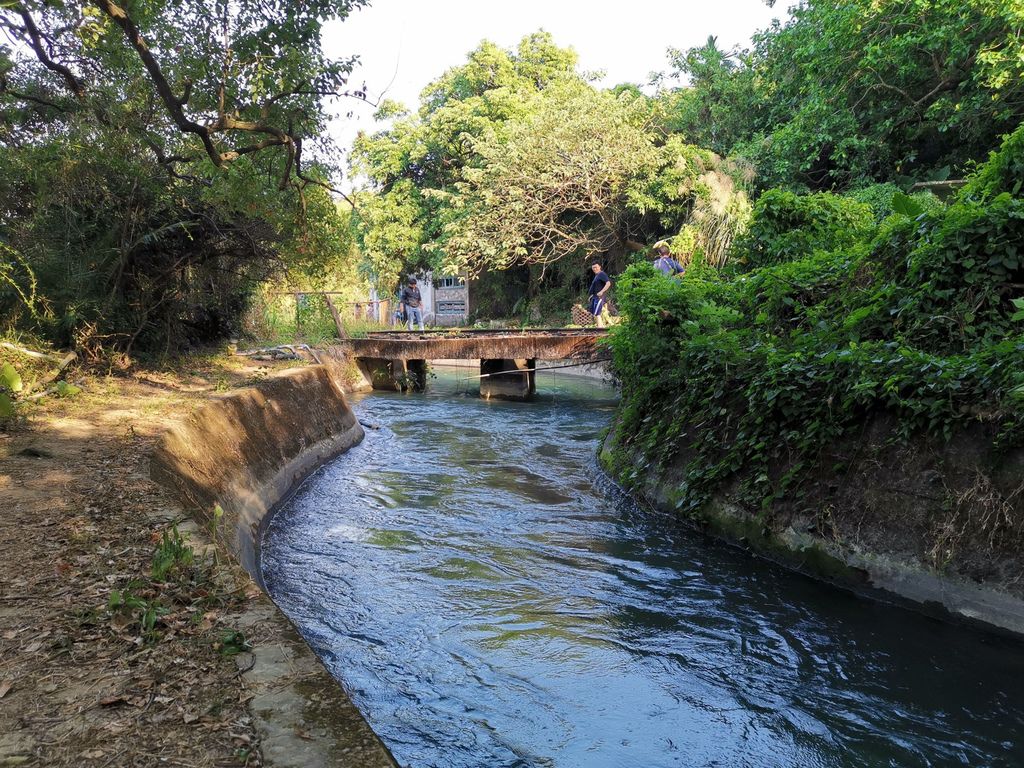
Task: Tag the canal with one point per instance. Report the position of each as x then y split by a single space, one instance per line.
488 600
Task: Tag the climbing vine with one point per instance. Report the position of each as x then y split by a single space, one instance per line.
749 376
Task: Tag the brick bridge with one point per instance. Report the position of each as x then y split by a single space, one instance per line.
508 358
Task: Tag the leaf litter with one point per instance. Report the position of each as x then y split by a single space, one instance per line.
101 662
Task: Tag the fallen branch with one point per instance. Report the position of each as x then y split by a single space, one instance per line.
27 352
64 362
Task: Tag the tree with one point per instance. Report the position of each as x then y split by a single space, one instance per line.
720 102
416 167
844 94
516 161
552 184
159 160
237 78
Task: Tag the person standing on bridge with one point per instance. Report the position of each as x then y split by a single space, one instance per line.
412 303
599 288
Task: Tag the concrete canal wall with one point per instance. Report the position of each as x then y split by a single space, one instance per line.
242 453
928 524
229 464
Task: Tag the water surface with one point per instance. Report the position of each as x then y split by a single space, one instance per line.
486 601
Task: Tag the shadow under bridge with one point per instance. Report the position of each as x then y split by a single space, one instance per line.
508 358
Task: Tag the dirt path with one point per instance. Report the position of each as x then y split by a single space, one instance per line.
110 655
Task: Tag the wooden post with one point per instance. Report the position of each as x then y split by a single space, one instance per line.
337 318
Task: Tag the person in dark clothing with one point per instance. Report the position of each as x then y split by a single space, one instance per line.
399 318
599 287
664 262
412 304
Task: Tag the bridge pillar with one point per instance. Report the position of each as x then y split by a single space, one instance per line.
507 379
377 371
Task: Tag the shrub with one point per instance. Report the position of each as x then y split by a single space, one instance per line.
787 226
751 376
1004 171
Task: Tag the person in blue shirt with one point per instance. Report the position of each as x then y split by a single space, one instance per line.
599 287
664 262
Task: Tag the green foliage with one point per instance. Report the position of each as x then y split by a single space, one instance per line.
551 185
904 205
180 589
18 280
843 94
122 230
960 273
786 226
1004 171
133 606
232 642
10 378
696 195
878 196
124 257
10 385
748 378
431 173
66 389
1019 306
172 555
720 101
515 161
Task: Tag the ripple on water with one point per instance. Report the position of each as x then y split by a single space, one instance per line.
526 484
463 569
394 539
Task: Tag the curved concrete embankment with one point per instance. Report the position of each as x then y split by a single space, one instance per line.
243 453
246 451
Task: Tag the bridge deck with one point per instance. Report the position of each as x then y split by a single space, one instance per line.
468 344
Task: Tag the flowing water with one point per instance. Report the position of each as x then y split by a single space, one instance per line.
488 601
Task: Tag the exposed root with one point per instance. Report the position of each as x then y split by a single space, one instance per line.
978 513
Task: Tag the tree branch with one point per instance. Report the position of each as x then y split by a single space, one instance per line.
301 175
35 40
163 88
169 161
28 97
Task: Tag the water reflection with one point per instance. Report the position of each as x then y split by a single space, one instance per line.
487 606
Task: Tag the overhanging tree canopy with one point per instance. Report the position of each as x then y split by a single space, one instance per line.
204 80
159 159
843 94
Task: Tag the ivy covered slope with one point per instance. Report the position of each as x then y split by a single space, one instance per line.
857 376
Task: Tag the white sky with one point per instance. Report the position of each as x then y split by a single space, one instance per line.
405 44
